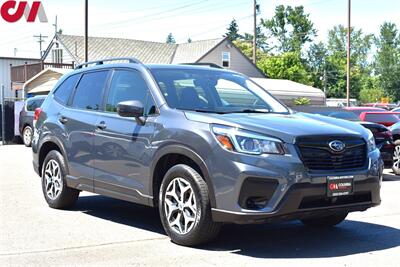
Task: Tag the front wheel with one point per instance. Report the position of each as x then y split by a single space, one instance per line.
325 221
396 158
185 209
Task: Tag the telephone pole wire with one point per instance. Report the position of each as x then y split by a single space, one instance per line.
40 41
348 52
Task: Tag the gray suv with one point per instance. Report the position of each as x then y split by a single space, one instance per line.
206 146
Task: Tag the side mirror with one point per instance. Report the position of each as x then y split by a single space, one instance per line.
131 109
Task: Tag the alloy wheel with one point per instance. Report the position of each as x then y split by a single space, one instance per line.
180 206
53 180
396 157
27 135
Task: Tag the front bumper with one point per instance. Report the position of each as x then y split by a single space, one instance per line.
306 200
291 191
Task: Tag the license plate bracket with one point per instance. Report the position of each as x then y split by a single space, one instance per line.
339 185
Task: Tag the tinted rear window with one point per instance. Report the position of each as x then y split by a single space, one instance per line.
89 91
33 104
382 118
64 91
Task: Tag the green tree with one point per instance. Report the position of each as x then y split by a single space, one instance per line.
170 39
337 57
290 27
189 40
261 40
233 31
288 66
316 62
387 59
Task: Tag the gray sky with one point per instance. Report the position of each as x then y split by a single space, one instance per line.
198 19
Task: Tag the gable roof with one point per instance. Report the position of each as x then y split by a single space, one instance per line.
192 52
145 51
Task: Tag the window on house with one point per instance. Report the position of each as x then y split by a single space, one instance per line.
57 55
226 59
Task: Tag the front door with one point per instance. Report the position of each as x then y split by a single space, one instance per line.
123 146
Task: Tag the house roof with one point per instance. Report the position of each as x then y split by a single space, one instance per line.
49 75
145 51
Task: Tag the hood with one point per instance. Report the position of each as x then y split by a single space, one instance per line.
284 127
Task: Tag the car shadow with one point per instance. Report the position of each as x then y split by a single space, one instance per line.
275 240
390 176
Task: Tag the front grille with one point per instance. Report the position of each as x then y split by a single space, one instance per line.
317 155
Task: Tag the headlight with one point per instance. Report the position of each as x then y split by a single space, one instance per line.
233 139
371 143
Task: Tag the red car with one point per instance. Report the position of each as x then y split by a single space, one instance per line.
384 118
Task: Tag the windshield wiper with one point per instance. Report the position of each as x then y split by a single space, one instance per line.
207 111
251 111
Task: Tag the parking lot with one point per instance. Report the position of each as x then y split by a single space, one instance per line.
103 231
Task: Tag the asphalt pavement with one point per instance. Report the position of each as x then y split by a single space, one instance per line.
100 231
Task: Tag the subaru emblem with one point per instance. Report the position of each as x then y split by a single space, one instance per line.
337 146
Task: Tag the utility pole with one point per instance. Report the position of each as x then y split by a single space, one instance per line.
348 52
55 26
3 117
40 41
255 33
86 31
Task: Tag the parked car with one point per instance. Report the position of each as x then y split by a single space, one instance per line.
168 136
26 118
359 110
395 128
386 106
384 118
382 134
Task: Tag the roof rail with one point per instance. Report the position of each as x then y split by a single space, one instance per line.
101 62
211 65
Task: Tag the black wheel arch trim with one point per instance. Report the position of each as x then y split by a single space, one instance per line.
185 151
56 141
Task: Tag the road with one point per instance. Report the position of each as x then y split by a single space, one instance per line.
104 232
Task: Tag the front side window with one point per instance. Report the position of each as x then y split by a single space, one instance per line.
89 90
214 91
226 59
127 86
64 91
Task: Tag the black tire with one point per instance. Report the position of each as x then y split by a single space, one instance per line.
396 158
67 196
27 131
326 221
204 229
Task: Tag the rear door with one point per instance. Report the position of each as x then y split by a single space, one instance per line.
123 146
79 120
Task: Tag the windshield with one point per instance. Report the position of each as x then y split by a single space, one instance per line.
214 91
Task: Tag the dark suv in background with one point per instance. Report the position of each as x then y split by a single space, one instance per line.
26 118
206 146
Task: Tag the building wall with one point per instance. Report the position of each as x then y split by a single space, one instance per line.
238 61
5 72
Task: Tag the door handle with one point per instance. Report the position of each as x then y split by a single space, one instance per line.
101 125
63 119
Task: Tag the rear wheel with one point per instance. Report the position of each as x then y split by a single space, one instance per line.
27 134
185 209
396 158
325 221
55 190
